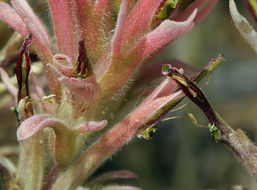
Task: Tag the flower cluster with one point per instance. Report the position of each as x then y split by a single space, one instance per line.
98 67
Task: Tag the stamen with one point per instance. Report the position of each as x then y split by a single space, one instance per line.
23 66
82 68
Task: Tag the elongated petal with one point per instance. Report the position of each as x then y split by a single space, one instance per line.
7 81
117 37
91 126
9 16
67 28
242 25
139 20
41 39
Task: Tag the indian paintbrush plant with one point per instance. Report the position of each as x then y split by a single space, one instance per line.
97 63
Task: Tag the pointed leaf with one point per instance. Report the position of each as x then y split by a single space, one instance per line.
163 34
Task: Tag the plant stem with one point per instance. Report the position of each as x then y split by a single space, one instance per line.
31 164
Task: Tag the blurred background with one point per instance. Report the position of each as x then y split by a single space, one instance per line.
182 155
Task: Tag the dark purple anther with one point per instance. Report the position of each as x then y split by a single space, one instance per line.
23 66
83 67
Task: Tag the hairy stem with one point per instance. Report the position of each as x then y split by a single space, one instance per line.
31 164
